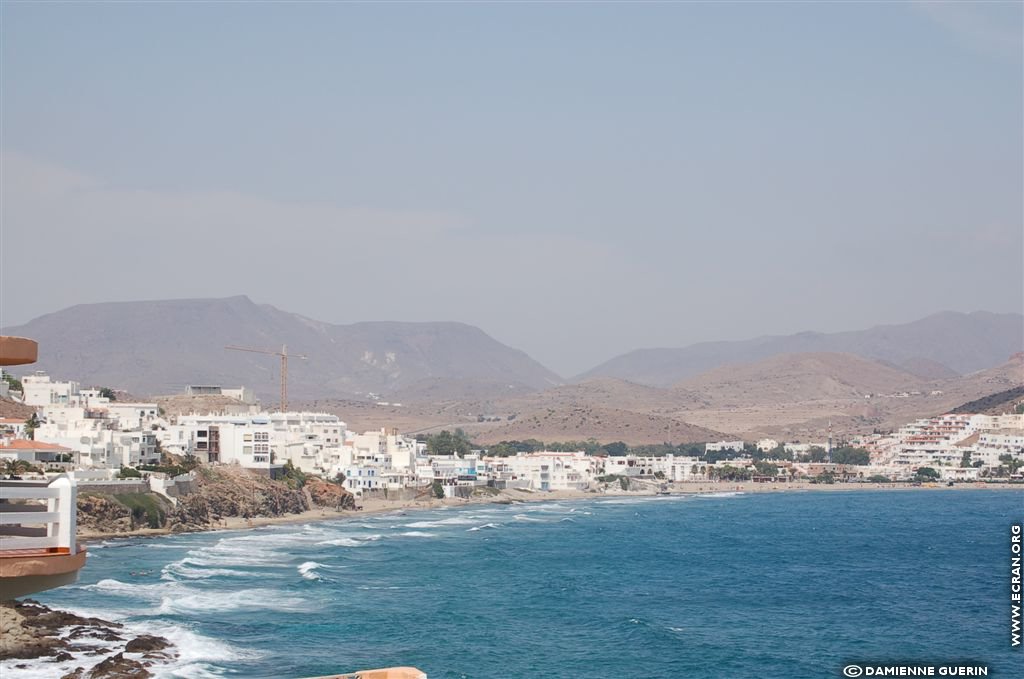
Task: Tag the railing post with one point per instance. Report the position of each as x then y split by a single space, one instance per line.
67 506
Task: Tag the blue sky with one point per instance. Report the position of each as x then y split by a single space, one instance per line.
576 179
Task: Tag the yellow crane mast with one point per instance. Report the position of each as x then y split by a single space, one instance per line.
284 367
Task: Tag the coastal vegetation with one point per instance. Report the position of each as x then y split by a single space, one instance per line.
14 468
12 382
148 510
449 443
842 455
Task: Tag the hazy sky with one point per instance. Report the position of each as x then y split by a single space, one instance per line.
576 179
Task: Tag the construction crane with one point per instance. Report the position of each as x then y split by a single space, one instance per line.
284 367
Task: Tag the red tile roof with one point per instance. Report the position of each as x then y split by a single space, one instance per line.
25 444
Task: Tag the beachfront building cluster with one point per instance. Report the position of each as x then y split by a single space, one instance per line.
958 446
84 429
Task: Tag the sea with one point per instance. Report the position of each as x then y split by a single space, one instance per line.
723 585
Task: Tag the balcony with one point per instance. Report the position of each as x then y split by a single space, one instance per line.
37 536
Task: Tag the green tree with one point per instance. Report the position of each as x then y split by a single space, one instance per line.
1012 463
13 382
448 443
129 473
849 455
713 456
817 454
438 489
878 478
17 467
766 468
927 473
31 424
729 473
965 459
107 392
616 449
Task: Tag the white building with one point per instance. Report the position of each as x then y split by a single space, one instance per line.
736 446
544 470
39 390
312 442
96 440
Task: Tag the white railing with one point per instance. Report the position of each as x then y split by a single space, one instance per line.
56 520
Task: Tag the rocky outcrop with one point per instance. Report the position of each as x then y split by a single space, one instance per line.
31 630
103 514
231 491
330 495
217 493
115 667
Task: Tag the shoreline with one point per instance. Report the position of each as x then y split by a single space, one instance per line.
382 506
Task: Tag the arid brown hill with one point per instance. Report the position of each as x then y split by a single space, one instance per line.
796 378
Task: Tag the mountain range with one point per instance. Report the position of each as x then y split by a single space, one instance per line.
160 347
941 345
452 374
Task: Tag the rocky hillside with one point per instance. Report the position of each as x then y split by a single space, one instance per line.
796 378
160 347
220 493
934 347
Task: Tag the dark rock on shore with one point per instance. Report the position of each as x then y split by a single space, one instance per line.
30 630
146 644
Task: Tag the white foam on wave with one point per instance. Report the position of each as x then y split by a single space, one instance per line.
484 527
417 534
149 591
186 568
308 570
733 493
524 517
238 600
351 541
173 597
198 656
454 521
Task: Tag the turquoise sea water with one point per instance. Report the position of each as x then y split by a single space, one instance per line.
762 585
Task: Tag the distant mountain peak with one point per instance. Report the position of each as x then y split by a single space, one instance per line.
159 347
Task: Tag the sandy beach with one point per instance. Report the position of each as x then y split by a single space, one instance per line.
381 506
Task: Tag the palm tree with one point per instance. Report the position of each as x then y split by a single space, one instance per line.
17 467
1011 463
